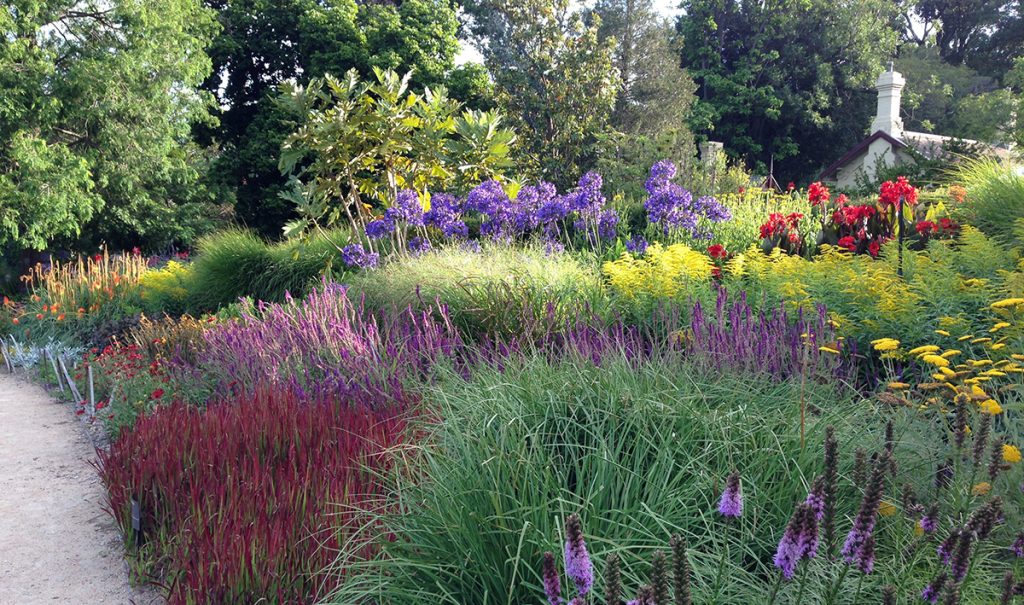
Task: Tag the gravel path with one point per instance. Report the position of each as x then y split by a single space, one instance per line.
57 545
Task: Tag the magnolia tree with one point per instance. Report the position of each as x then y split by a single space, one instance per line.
360 143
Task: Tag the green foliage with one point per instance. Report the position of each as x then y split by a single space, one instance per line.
640 449
624 160
995 197
235 264
96 108
555 79
264 43
363 141
785 79
165 290
488 292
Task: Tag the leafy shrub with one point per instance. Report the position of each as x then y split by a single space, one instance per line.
639 448
238 500
491 291
165 290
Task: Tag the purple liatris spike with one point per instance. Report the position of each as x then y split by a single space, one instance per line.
1017 548
945 548
577 560
859 545
731 504
552 584
787 556
933 590
808 542
930 520
816 498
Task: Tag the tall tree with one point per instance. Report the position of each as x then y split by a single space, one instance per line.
789 79
964 25
266 42
554 78
97 100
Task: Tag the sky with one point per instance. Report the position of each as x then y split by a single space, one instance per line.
469 54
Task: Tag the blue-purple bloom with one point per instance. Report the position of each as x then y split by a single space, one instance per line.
933 590
930 520
353 255
673 207
859 547
578 567
799 541
731 503
445 214
379 228
606 224
1017 548
407 209
637 245
418 245
816 498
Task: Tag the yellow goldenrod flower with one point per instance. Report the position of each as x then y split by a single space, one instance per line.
829 350
942 332
923 349
886 508
991 406
965 337
951 353
980 362
918 530
947 372
998 345
1007 302
1011 453
898 385
995 373
936 360
981 489
999 326
981 340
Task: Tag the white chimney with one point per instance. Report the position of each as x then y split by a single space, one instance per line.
889 85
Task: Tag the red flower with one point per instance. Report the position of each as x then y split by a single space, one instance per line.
948 225
842 200
891 191
39 315
97 258
136 251
157 394
791 186
742 189
817 194
717 251
873 249
847 242
794 237
926 227
794 219
716 272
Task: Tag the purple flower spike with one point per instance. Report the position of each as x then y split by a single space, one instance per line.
731 504
1017 548
930 521
934 588
552 584
787 556
577 560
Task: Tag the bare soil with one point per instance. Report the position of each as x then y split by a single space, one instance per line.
57 543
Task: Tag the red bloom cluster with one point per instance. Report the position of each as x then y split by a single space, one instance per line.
778 224
717 251
930 228
890 192
851 215
818 194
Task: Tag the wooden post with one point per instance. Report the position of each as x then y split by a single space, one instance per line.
56 373
92 395
3 351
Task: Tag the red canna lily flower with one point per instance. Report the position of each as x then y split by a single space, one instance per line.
847 242
157 394
873 249
717 251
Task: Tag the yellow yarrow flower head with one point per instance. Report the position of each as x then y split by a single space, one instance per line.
951 353
991 406
965 337
886 508
999 326
981 489
923 349
1011 453
998 345
831 350
942 332
886 344
898 386
1008 302
935 360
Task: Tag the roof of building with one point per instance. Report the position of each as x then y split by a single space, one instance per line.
859 149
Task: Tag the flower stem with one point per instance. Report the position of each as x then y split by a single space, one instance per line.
835 589
803 583
775 590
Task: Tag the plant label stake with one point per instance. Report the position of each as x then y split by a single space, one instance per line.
137 522
71 383
899 219
7 362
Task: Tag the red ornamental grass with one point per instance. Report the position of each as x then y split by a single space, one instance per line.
249 501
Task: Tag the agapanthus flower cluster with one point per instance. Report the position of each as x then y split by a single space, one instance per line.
407 210
445 215
355 256
670 206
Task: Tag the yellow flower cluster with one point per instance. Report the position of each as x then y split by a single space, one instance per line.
662 272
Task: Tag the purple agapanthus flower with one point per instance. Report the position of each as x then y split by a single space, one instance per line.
606 224
407 208
353 255
379 228
637 245
731 503
445 214
578 566
1017 548
418 245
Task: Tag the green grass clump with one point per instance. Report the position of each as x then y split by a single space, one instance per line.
995 197
499 290
639 449
235 263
